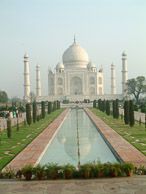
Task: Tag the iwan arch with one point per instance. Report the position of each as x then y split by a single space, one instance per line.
75 78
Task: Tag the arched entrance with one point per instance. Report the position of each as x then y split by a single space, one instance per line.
76 86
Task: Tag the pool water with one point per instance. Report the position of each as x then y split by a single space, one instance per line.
78 140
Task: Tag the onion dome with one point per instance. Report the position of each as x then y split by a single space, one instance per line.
60 66
75 56
91 65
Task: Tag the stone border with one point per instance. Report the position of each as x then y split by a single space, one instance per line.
32 153
126 151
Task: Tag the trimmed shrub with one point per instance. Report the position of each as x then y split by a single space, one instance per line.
28 114
99 104
126 112
58 104
49 107
9 127
131 113
114 109
117 108
143 109
107 108
94 104
43 109
34 111
17 125
54 105
65 101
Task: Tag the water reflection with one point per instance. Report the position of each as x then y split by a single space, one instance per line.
64 147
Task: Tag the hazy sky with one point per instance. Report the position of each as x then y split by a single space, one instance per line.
44 29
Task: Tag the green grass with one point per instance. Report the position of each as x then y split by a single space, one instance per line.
127 132
6 144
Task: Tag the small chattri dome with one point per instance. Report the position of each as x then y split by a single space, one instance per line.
60 66
124 54
26 55
91 65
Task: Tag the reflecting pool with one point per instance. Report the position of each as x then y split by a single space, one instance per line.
77 140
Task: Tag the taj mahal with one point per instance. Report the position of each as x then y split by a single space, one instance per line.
75 78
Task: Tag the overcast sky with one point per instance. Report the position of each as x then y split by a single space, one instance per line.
44 29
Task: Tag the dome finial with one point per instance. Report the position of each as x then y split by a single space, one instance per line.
74 39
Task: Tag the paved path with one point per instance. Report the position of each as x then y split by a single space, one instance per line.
132 185
123 148
37 147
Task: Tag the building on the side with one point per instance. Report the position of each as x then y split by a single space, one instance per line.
76 78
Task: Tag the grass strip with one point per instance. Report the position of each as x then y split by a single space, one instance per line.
135 135
10 147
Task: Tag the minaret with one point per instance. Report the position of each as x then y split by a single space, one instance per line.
26 79
124 73
113 79
38 81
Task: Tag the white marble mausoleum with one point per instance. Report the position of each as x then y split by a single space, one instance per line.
75 78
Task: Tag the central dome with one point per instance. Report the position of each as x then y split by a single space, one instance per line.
75 56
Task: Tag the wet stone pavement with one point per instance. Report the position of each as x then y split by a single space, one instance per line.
127 185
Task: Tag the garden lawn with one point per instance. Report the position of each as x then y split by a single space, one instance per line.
10 147
135 135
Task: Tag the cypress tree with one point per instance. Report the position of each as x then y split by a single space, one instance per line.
131 113
117 108
28 114
54 105
17 125
43 109
100 104
94 103
114 109
58 104
9 128
126 112
34 111
49 107
107 108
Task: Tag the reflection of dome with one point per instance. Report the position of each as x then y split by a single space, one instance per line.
60 66
62 140
72 150
75 56
91 65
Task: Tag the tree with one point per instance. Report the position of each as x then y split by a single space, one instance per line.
34 111
17 125
49 107
28 114
58 104
114 109
107 108
99 104
3 97
9 128
136 87
126 112
54 105
43 109
117 108
94 103
131 113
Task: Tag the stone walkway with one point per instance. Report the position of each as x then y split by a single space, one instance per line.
132 185
124 149
34 150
